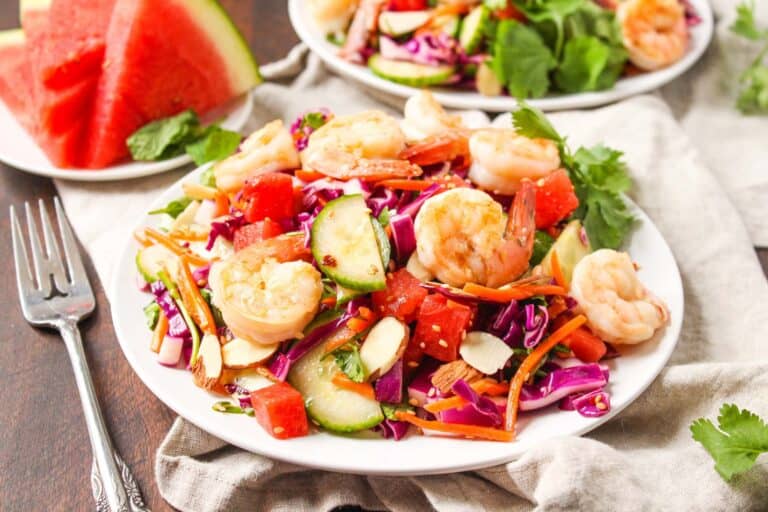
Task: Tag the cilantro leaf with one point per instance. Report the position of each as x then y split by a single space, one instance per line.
605 167
745 24
164 138
531 122
215 143
390 410
218 318
384 216
152 314
739 438
349 361
541 245
521 60
314 120
230 408
584 60
174 208
552 12
753 98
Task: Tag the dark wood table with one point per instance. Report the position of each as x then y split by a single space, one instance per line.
45 456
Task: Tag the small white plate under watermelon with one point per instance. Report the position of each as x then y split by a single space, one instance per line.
18 149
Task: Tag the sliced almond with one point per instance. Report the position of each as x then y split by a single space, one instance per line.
240 353
252 379
207 369
484 352
383 346
447 375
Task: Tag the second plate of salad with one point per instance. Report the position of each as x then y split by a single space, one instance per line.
482 55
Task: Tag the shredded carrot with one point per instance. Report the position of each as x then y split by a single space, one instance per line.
193 300
188 236
328 301
198 191
222 204
158 335
400 184
358 325
491 388
336 342
484 387
365 313
557 272
139 237
174 247
451 8
521 292
491 434
308 176
361 388
530 362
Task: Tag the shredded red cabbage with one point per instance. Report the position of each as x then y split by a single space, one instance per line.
591 405
561 383
480 410
427 48
225 228
404 235
392 429
200 274
389 387
307 123
382 198
177 327
536 321
413 207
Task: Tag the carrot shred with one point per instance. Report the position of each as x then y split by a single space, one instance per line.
557 271
308 176
174 247
328 301
158 334
193 300
197 191
222 204
488 433
484 387
520 292
365 313
410 185
361 388
530 362
139 237
188 236
358 325
336 343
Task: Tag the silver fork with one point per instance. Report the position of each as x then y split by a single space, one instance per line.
56 293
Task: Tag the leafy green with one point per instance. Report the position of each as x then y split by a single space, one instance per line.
348 360
495 5
164 138
739 438
215 143
314 120
230 408
584 60
383 217
753 96
218 319
390 410
521 60
599 177
174 208
552 12
541 244
152 314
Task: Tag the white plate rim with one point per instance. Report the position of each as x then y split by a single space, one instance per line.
239 112
300 451
701 35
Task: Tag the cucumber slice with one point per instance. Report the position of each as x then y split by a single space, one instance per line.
151 260
344 295
399 23
570 250
385 248
333 408
410 73
345 246
472 28
448 23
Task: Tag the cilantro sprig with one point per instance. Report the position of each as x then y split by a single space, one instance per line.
599 177
753 96
739 438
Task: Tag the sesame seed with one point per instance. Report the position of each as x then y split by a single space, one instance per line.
422 345
443 343
278 430
413 364
413 402
436 328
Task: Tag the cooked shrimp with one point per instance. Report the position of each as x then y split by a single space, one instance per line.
363 25
265 292
654 32
424 116
501 159
268 149
443 147
463 236
619 308
364 145
332 16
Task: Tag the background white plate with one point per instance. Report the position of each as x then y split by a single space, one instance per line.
701 34
370 454
18 149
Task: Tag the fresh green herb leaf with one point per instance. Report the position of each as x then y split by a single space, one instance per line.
495 5
164 138
215 143
605 167
552 12
383 217
216 312
348 360
739 438
585 58
521 60
753 97
390 410
174 208
532 123
230 408
541 244
314 120
152 314
336 38
208 179
745 24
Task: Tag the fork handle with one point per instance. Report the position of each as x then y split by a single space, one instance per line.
103 452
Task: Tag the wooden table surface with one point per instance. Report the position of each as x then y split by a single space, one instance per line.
45 456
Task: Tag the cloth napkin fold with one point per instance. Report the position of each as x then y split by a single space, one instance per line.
644 459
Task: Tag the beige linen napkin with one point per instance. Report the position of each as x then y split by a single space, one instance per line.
644 459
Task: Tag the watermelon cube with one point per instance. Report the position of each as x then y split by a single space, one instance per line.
279 408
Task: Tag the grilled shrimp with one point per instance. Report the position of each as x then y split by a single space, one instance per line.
265 292
501 159
363 25
332 16
364 145
424 116
463 236
619 308
654 32
268 149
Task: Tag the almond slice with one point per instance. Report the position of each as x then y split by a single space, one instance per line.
484 352
383 346
207 369
240 353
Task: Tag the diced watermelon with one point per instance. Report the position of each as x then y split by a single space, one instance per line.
279 408
402 297
164 56
15 77
256 232
269 196
555 199
441 327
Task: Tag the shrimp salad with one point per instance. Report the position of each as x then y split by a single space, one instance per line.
362 272
526 48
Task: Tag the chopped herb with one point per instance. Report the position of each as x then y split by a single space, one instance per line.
753 97
390 410
164 138
174 208
521 61
384 216
215 143
216 312
348 360
541 245
152 314
230 408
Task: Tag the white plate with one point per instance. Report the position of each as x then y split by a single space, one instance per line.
370 454
18 149
701 34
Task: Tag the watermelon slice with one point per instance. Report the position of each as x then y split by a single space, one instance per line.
164 56
15 77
